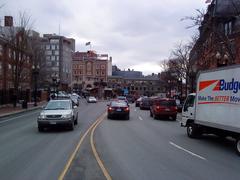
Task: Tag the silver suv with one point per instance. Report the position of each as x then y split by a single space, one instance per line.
58 112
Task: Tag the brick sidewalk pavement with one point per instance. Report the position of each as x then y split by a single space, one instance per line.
8 109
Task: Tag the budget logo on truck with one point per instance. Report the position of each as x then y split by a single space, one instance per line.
222 85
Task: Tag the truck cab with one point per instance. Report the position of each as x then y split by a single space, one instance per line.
188 110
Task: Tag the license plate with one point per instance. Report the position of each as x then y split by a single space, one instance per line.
119 110
53 123
167 109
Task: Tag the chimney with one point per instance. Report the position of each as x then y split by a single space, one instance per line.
8 21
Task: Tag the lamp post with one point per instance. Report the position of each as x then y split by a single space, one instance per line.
35 70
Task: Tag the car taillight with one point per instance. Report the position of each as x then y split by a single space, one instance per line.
110 109
158 107
126 109
174 108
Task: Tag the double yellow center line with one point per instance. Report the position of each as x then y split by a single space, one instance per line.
92 128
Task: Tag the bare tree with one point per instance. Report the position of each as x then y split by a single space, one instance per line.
20 51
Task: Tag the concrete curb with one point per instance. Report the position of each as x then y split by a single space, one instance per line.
19 112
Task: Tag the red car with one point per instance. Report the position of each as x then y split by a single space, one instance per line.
163 107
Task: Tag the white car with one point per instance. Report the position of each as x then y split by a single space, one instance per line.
58 112
92 99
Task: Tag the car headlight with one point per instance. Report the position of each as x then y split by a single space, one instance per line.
66 115
42 116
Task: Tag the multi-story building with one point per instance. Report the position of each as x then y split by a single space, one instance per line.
90 70
137 86
219 41
15 63
56 67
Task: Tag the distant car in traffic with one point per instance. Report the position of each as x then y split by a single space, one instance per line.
75 98
91 99
58 112
145 103
130 98
123 98
118 109
163 107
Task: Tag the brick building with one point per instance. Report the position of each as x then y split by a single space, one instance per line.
15 64
90 70
219 41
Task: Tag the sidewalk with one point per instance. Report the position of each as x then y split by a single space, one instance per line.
8 109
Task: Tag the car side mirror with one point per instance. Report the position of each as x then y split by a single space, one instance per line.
43 107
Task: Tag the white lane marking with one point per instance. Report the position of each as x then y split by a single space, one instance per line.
140 118
181 148
1 122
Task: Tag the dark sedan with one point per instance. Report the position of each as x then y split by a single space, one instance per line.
145 103
118 109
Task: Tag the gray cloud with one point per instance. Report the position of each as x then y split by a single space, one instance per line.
134 32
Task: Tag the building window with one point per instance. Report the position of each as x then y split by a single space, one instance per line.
47 47
56 52
54 40
228 28
0 68
53 47
48 52
57 46
57 58
1 50
9 53
52 58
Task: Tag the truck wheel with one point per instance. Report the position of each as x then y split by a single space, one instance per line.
193 131
237 145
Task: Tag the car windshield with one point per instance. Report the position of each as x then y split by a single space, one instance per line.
58 105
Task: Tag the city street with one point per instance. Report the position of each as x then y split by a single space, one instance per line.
27 154
141 148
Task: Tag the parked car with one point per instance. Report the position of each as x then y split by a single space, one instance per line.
91 99
58 112
118 109
145 103
163 107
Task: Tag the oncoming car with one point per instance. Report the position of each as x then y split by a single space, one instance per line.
91 99
118 109
58 112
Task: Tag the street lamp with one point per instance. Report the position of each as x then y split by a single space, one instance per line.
35 71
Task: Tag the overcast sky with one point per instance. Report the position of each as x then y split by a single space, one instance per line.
138 34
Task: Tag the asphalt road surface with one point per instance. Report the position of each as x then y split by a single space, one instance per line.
144 148
141 148
27 154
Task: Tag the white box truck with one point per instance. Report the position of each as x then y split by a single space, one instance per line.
215 107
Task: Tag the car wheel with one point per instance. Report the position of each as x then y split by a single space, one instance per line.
40 128
174 118
71 126
76 120
109 117
237 146
127 117
154 116
151 115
